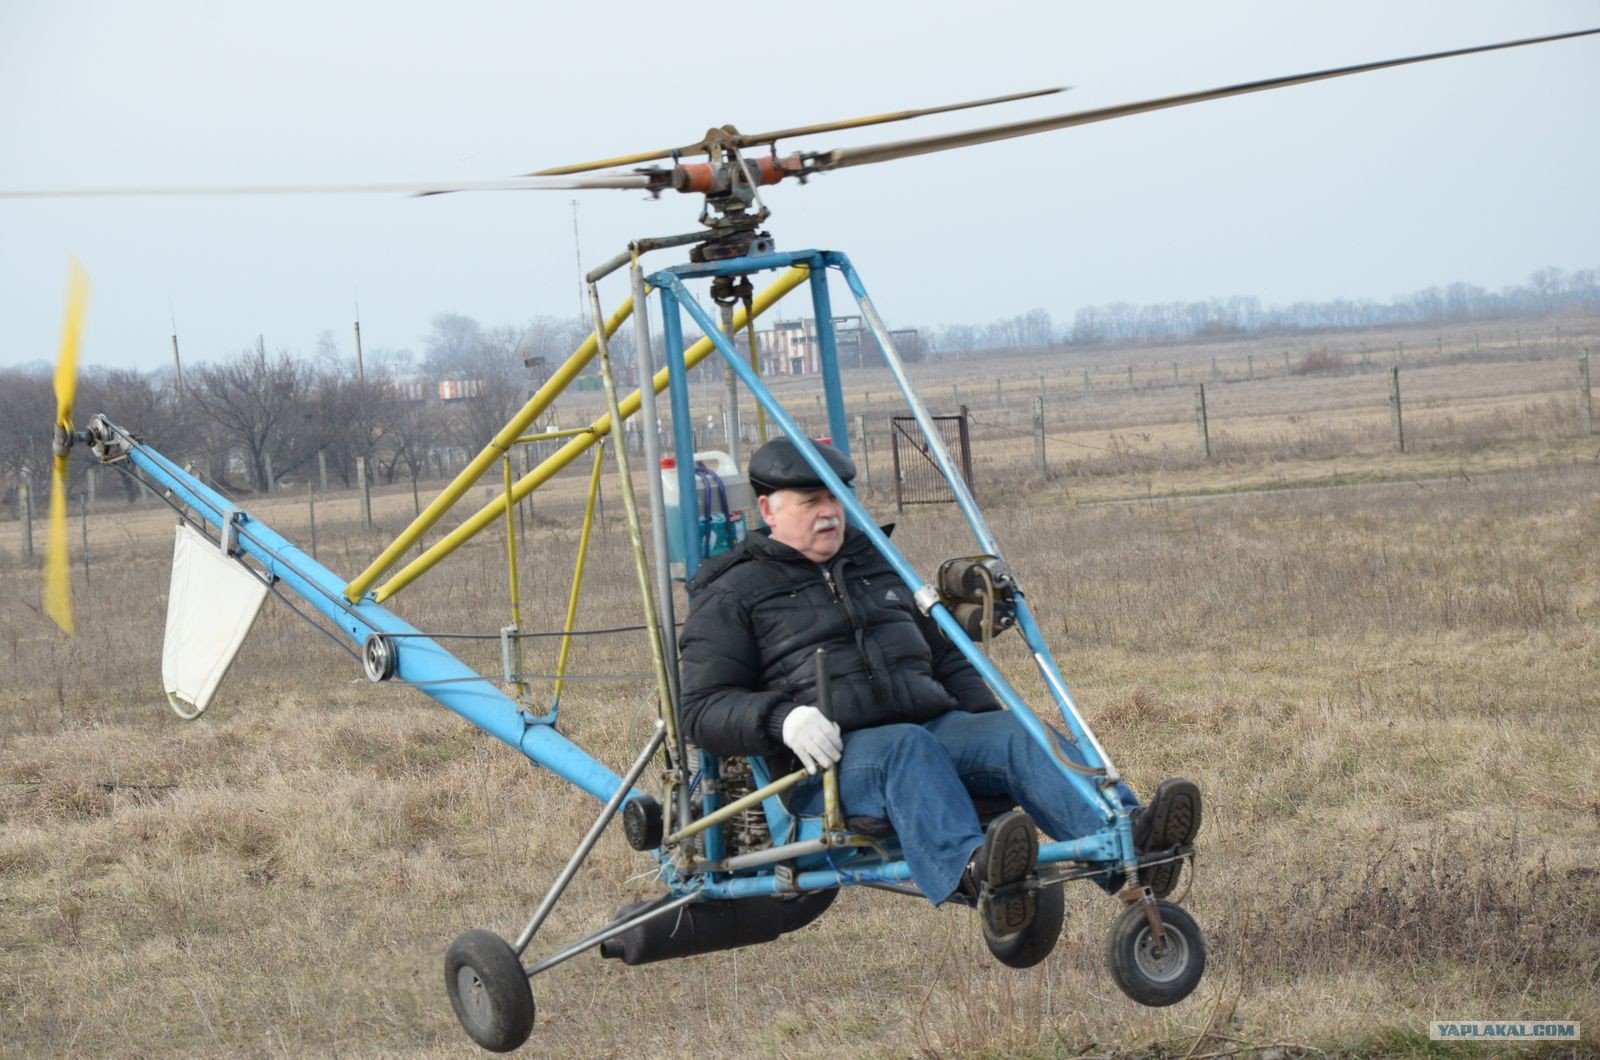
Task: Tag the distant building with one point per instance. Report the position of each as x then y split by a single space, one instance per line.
790 346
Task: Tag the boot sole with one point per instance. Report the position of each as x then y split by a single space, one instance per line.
1177 818
1012 852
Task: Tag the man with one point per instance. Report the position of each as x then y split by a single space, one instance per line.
913 728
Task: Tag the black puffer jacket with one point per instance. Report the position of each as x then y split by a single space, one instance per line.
759 612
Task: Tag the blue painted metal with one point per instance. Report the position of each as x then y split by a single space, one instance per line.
849 868
682 430
421 661
828 351
862 520
812 259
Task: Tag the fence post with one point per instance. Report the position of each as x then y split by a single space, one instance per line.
999 398
861 449
322 470
899 476
1394 405
1038 436
1130 377
1086 385
1205 426
25 513
311 507
366 490
1250 366
966 452
1213 368
83 528
1286 368
1588 395
1174 373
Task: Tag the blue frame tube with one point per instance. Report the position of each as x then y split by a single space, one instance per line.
1093 796
828 350
682 430
1100 847
421 661
1092 751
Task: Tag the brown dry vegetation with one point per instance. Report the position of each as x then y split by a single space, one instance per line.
1390 692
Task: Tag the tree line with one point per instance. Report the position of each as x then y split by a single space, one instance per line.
255 419
1548 290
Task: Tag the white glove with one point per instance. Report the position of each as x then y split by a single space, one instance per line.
813 738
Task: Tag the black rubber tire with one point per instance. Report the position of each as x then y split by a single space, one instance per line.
1035 942
489 990
1152 980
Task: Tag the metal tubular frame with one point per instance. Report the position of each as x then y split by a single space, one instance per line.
607 812
820 862
1114 842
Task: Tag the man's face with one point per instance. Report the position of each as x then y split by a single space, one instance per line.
809 521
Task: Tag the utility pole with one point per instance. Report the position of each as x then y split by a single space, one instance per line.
577 253
177 362
361 369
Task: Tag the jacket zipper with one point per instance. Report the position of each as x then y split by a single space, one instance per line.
843 601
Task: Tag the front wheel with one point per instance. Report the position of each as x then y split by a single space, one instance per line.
1157 972
1032 944
489 990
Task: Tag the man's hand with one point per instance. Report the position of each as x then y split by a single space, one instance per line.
813 738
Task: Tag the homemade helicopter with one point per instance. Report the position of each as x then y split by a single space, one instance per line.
735 867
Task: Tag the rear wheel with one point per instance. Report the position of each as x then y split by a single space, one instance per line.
1034 943
1156 971
489 990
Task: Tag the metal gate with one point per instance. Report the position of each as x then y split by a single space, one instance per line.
917 478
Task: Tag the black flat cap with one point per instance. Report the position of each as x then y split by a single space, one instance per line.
778 465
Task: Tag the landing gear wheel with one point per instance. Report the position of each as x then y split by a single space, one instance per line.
1154 974
1035 942
489 990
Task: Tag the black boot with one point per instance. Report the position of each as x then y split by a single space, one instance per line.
1172 819
1008 854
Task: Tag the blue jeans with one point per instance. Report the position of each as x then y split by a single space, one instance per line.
921 779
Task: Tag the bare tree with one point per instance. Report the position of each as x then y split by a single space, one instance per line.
259 404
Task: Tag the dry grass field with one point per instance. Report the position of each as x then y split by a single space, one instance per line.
1390 692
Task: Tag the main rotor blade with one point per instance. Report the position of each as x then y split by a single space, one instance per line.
437 187
744 140
885 152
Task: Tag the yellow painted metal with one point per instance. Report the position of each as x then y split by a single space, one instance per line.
547 436
786 282
722 813
755 366
832 808
470 474
516 595
577 574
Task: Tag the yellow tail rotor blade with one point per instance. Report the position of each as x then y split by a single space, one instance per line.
71 330
57 572
57 564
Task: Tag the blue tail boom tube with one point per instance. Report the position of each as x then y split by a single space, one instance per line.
421 661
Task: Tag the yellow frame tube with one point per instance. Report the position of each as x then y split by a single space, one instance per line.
546 436
722 813
786 282
577 576
502 441
511 564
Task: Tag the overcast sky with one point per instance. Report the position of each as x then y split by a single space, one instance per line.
1480 169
